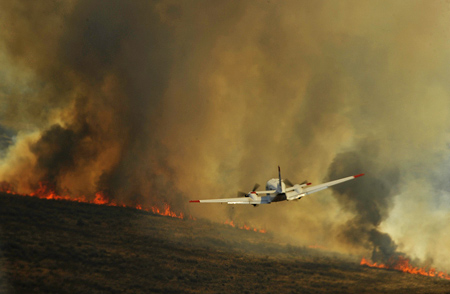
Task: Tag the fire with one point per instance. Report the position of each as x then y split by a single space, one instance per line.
244 227
7 188
166 211
46 192
402 264
231 223
100 199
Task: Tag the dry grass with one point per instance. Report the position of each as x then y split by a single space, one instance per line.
64 247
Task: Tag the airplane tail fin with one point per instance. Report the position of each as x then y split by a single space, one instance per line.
280 186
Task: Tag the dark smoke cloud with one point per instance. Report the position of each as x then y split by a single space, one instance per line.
55 152
370 199
166 101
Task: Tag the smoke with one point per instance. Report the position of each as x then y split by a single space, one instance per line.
370 199
162 102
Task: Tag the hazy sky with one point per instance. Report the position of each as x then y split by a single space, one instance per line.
166 101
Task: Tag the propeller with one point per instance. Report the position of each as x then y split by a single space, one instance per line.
243 194
256 186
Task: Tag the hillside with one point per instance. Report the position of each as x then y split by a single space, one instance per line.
49 246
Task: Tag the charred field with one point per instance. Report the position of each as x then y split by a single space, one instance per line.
49 246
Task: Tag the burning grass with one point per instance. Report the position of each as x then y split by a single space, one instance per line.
46 192
244 227
403 264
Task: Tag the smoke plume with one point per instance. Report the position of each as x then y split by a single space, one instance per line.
156 102
370 199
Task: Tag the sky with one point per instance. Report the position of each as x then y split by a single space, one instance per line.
156 102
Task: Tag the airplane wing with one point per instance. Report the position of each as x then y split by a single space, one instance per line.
317 188
240 200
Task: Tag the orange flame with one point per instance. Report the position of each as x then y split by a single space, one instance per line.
100 199
7 188
166 211
46 192
403 265
244 227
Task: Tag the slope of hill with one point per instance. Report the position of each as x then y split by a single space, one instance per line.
68 247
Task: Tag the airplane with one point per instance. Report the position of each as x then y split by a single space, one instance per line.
276 191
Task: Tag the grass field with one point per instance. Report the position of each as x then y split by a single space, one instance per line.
67 247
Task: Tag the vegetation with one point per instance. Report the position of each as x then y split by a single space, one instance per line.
49 246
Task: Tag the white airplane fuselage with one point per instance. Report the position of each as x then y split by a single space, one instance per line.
273 184
275 192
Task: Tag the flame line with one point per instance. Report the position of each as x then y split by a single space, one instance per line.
244 227
402 264
44 192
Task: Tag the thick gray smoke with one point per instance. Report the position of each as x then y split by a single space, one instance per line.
370 199
158 102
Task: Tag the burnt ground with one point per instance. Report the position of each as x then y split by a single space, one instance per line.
67 247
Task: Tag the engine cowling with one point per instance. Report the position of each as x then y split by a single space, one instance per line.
253 195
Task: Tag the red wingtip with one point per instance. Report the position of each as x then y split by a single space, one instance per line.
360 175
307 184
194 200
